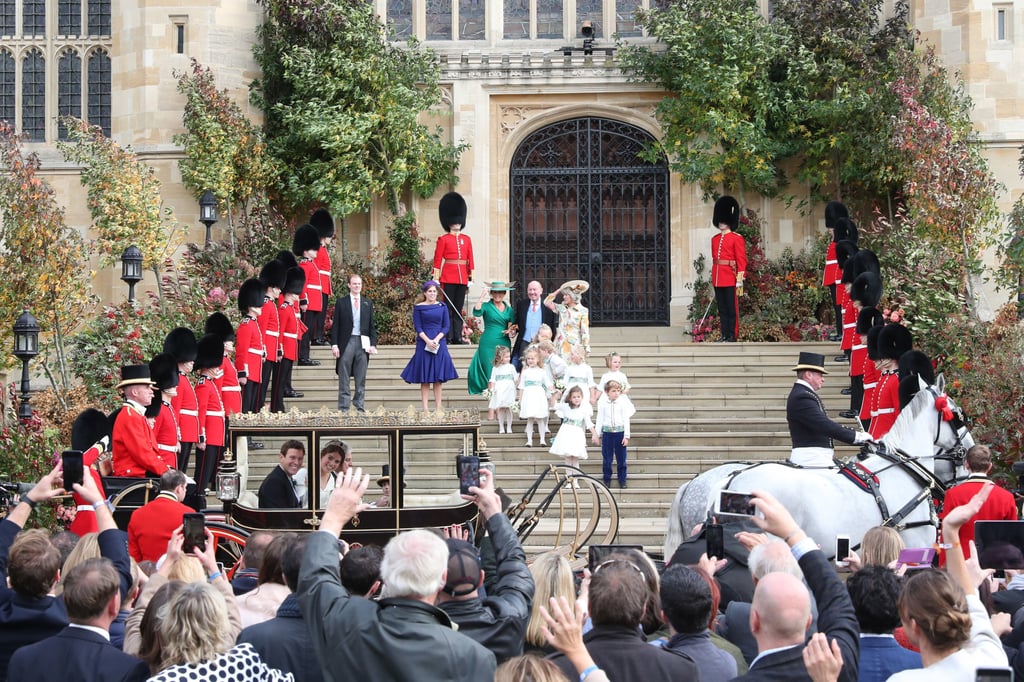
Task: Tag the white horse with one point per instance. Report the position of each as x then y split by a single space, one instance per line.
912 463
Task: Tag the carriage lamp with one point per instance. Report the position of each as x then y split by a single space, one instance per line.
26 347
208 212
131 270
228 479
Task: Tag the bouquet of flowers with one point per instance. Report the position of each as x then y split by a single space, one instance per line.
515 407
560 385
487 393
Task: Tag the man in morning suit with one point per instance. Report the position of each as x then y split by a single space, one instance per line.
152 524
353 320
810 428
278 490
781 610
531 313
82 651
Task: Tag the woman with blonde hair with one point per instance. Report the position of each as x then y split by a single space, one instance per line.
552 577
880 546
87 547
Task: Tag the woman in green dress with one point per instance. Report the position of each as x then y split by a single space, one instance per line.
497 316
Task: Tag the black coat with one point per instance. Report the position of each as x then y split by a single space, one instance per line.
809 426
281 642
623 654
76 655
547 316
277 491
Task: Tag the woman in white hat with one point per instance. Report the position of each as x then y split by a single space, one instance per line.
573 318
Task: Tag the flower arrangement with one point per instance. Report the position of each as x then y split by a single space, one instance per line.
487 393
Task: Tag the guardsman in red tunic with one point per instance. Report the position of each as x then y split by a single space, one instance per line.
294 282
181 343
866 319
134 447
305 245
871 373
212 418
324 224
845 250
833 211
230 392
272 277
453 261
728 265
90 434
164 372
249 350
865 293
893 341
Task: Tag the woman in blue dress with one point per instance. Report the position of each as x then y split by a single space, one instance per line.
431 365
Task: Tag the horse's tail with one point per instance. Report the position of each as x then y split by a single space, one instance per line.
674 534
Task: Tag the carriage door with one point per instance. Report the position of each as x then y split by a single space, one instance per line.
586 206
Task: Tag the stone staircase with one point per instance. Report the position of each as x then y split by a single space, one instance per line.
698 405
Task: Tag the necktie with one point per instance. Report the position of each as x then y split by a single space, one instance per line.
356 302
533 308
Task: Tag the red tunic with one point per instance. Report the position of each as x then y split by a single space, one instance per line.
85 517
311 294
831 266
871 376
323 265
165 430
152 524
230 391
729 257
858 356
289 315
249 351
885 404
186 410
999 506
270 327
453 257
135 450
211 412
849 325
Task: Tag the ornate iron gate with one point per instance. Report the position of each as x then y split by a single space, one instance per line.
586 206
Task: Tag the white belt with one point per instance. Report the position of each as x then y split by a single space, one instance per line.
831 262
259 352
859 346
871 385
290 336
85 507
887 410
270 332
169 448
238 388
218 413
325 272
850 326
191 413
314 286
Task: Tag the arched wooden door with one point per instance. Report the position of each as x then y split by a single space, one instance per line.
586 206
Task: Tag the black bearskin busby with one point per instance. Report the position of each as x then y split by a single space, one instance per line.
845 249
163 370
452 210
210 353
323 222
867 289
272 274
834 210
846 229
89 428
288 258
868 318
727 210
219 324
294 281
894 341
916 363
250 295
872 341
181 344
306 239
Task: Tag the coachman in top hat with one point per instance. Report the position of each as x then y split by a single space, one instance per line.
453 260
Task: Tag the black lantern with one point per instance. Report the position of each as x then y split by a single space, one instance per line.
26 347
208 212
131 270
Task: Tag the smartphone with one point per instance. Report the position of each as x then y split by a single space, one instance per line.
195 533
993 675
1000 544
74 471
469 472
842 550
714 535
597 554
916 557
734 503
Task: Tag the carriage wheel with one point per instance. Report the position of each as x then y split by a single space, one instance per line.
572 516
230 544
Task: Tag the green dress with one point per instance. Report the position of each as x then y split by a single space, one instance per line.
495 324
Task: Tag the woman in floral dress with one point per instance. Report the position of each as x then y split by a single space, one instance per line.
573 318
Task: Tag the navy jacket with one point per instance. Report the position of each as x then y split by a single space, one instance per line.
282 642
76 655
277 491
809 426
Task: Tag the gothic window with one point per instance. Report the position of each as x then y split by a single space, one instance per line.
33 18
99 17
471 20
69 17
439 19
400 17
592 11
33 96
7 77
69 89
8 17
550 21
625 18
516 19
99 90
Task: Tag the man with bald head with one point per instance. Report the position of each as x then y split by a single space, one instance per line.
780 614
531 313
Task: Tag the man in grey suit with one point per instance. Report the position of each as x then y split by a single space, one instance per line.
353 322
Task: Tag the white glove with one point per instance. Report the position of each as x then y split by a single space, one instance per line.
861 437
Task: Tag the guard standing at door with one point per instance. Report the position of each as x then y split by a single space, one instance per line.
729 265
453 261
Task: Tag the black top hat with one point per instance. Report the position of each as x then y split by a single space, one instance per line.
812 361
893 341
288 258
211 352
272 274
463 568
452 210
385 475
163 369
133 375
323 222
727 210
250 295
89 428
181 343
867 289
294 281
219 324
306 239
833 211
868 318
916 363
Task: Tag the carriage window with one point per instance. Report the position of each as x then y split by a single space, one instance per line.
430 478
371 453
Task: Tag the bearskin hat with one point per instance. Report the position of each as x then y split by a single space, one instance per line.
909 386
250 295
834 210
867 289
872 341
323 222
727 210
89 428
916 363
846 229
163 370
294 281
845 249
452 210
181 344
219 324
867 261
272 274
152 410
288 258
306 239
868 318
894 341
211 352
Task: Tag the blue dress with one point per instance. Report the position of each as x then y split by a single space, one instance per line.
425 367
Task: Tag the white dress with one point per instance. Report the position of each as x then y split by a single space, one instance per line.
535 385
504 378
571 440
618 376
581 375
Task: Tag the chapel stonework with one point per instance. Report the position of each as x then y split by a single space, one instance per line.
504 80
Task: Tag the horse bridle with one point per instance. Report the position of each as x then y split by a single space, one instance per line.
957 422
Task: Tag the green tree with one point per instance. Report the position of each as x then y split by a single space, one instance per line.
343 106
42 260
123 196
